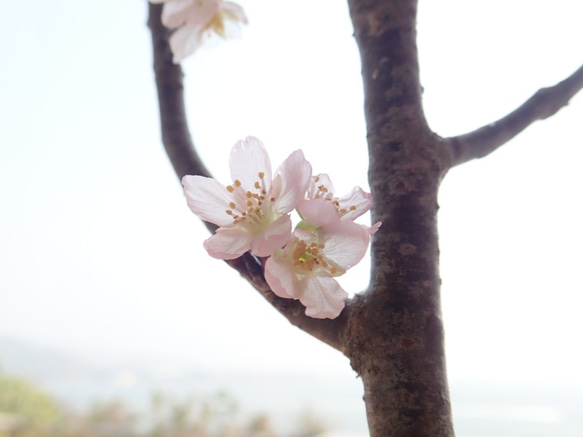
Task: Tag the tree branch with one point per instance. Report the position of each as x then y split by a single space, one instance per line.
186 161
543 104
396 340
175 134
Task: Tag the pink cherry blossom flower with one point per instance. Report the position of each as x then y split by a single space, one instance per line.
322 247
196 21
348 207
252 212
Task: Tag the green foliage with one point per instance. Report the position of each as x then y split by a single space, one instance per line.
24 408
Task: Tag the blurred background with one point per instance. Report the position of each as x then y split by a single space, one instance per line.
115 321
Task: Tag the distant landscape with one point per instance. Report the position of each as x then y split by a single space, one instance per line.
481 409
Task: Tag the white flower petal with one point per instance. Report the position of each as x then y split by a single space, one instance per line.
273 237
322 296
356 203
234 12
322 180
294 177
228 243
184 41
374 228
202 12
281 277
208 199
345 243
248 159
175 12
318 212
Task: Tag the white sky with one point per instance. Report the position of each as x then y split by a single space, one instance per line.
99 254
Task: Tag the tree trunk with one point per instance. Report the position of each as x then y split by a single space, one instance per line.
395 333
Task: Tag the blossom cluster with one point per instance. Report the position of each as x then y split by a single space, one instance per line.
195 21
253 214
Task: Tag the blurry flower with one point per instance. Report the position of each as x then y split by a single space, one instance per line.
322 247
252 212
197 20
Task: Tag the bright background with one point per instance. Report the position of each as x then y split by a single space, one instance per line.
99 255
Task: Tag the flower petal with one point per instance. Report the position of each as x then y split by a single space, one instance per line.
248 159
374 228
319 185
179 12
356 203
273 237
318 212
345 243
234 12
322 296
174 13
184 41
208 199
293 177
281 278
228 243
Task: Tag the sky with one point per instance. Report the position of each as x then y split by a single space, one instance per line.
100 256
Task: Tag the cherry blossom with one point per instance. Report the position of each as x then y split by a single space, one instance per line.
348 207
253 211
321 248
198 20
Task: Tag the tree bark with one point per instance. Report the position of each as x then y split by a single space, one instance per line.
395 338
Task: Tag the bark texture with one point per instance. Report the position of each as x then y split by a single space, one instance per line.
395 335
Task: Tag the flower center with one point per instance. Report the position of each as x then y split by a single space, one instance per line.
308 257
249 207
217 25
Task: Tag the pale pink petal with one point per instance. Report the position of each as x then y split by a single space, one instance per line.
322 296
374 228
318 212
345 243
208 199
174 13
184 41
303 234
234 12
179 12
273 237
293 177
228 243
356 203
320 181
281 278
202 12
248 159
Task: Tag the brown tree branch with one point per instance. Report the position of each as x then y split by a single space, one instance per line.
543 104
175 134
395 339
185 160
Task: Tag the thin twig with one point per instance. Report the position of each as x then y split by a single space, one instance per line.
543 104
185 160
